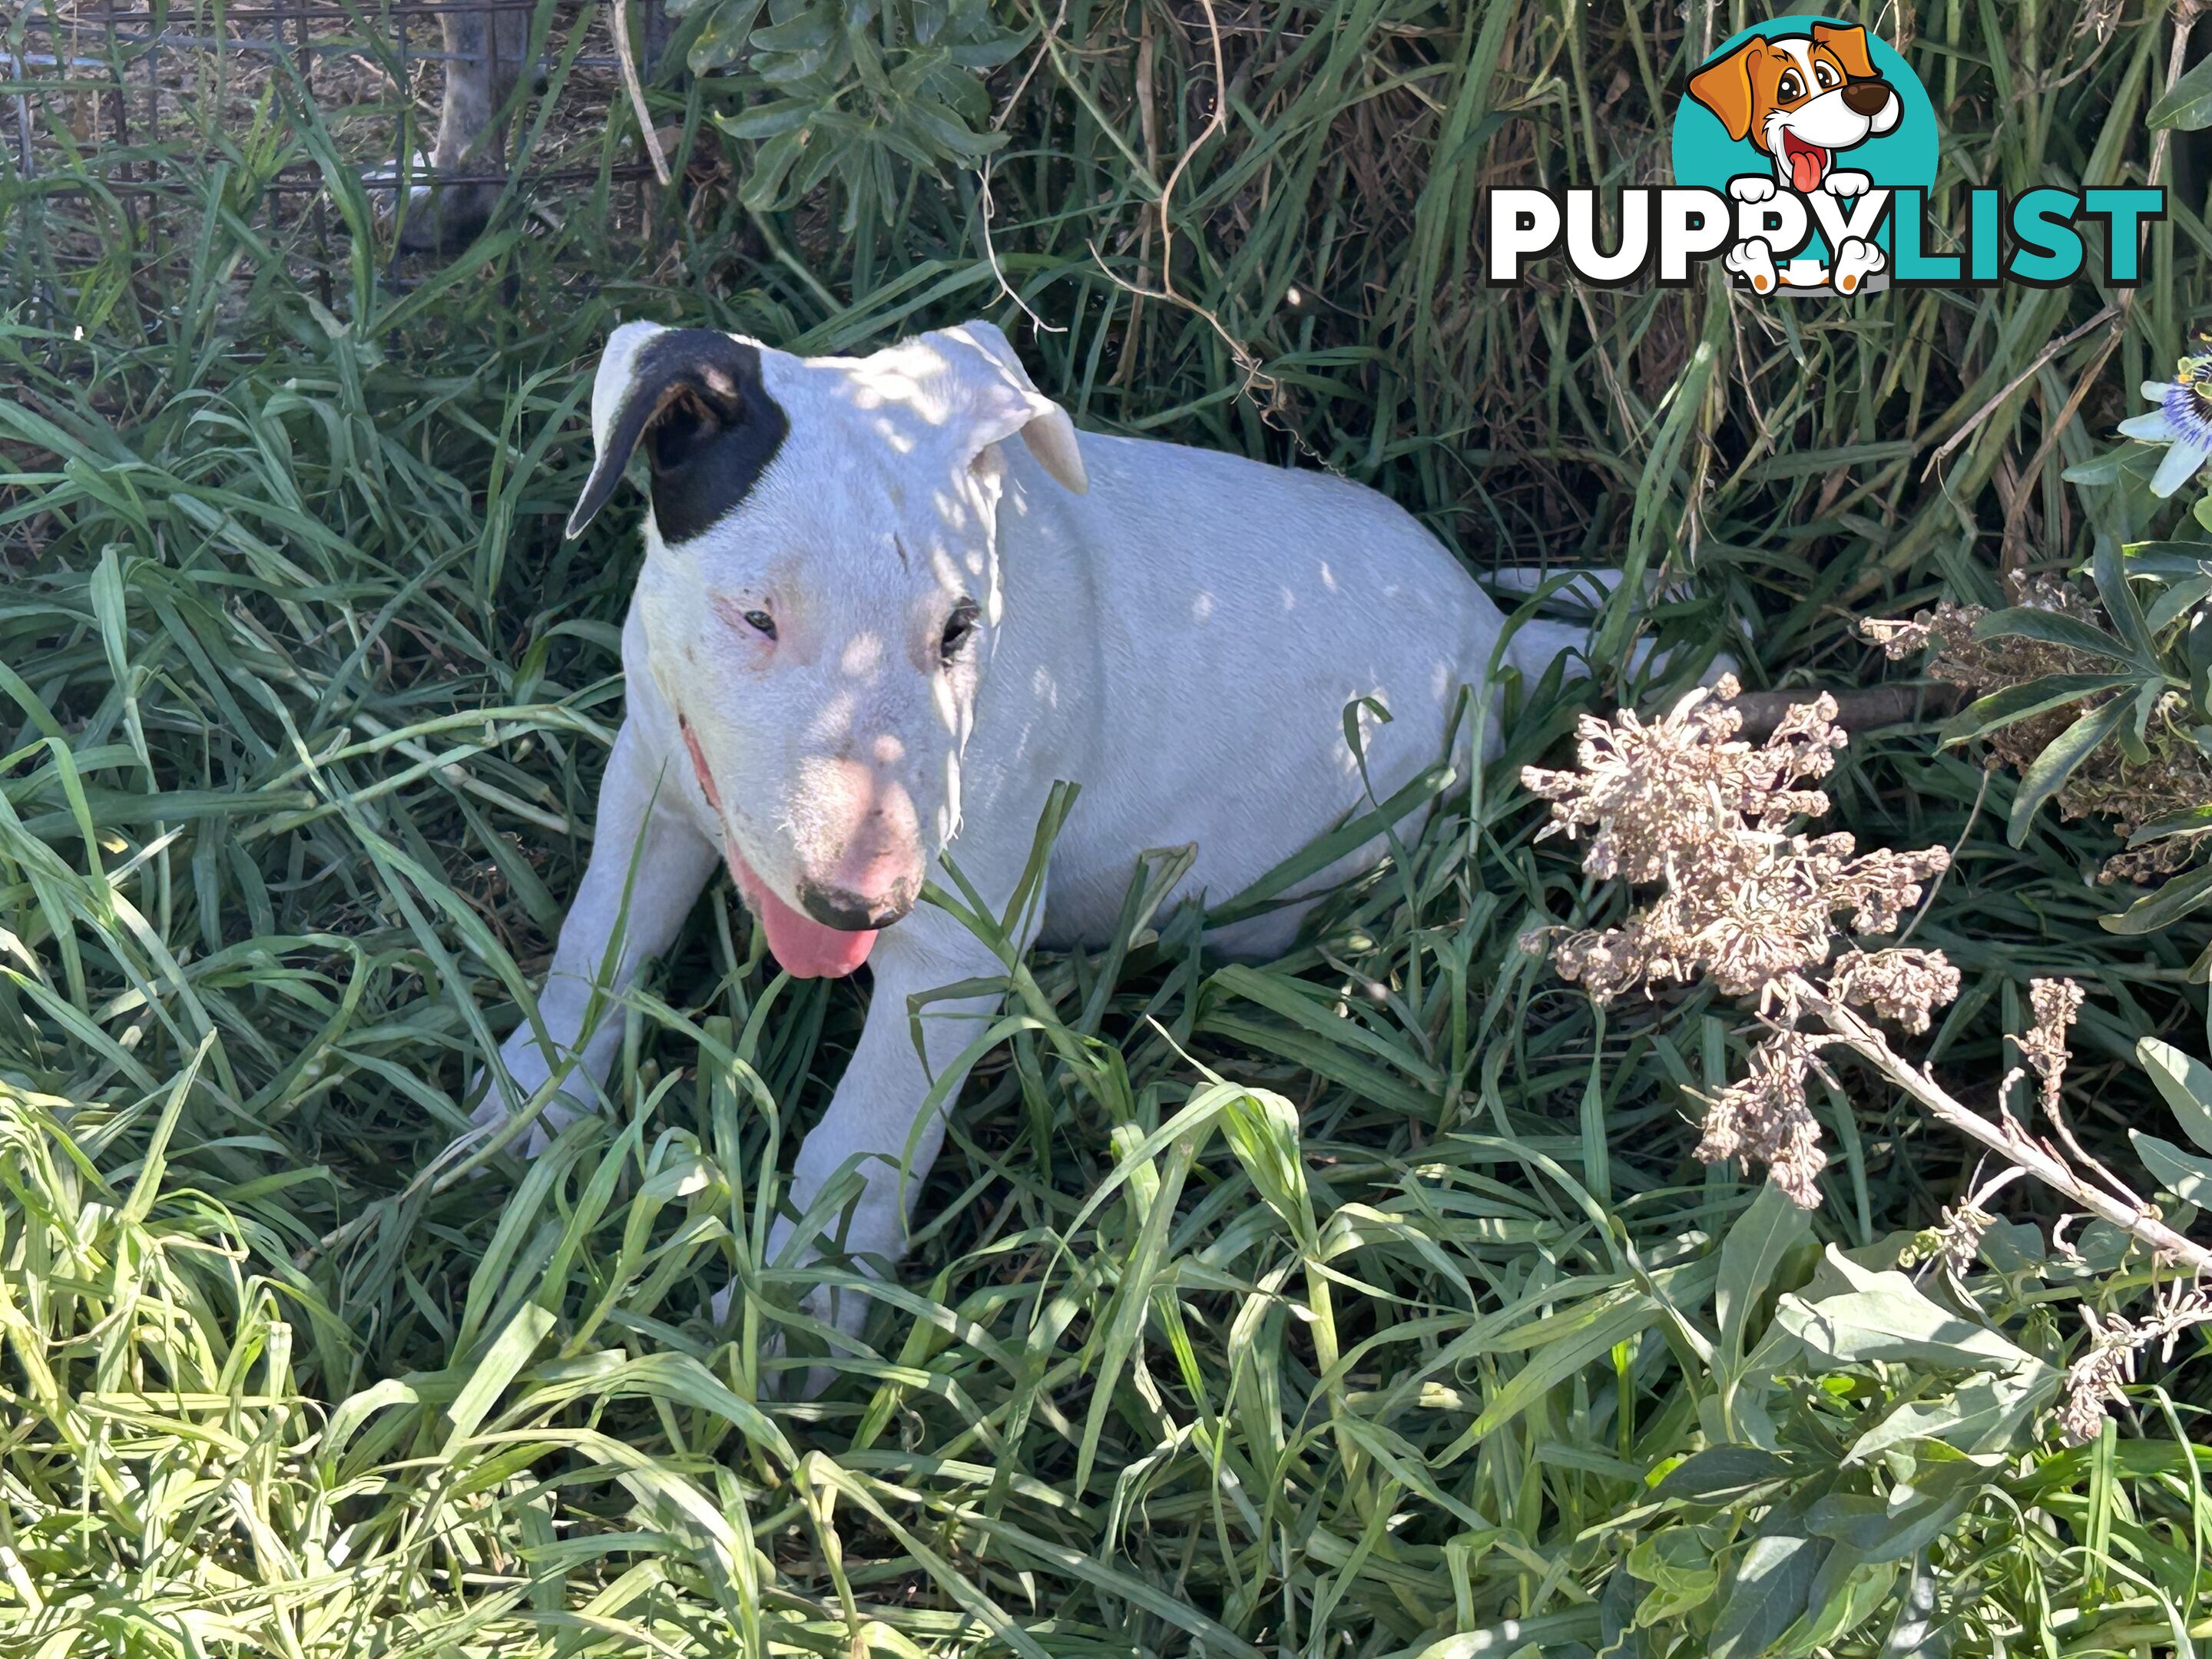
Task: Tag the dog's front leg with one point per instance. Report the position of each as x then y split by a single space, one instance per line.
876 1125
647 867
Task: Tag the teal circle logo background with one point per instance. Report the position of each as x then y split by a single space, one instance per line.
1905 156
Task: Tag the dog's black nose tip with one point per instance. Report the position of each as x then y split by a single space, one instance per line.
1866 97
849 913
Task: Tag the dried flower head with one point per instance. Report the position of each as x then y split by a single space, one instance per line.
2095 1379
1763 1118
1953 1243
1645 788
1948 626
1679 801
2177 775
2055 1001
1906 986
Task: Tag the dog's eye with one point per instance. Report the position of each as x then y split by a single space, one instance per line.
1789 88
1827 77
958 627
761 623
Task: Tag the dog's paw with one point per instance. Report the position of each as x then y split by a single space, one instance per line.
526 1071
776 1381
440 218
869 1238
1753 261
1751 187
1848 183
1856 261
845 1310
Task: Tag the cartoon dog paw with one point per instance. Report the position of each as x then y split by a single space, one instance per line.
1753 261
1856 261
1751 187
1847 183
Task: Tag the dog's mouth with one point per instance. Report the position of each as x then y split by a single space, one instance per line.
807 948
1807 163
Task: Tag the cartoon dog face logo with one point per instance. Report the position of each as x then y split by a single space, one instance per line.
1801 99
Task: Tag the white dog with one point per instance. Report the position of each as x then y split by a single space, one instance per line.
870 635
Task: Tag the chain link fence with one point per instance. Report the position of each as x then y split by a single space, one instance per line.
123 126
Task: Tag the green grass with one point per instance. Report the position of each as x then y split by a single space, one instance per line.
1398 1337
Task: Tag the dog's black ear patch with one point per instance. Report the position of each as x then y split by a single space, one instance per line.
695 400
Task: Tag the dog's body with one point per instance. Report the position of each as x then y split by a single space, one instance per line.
1182 641
1800 100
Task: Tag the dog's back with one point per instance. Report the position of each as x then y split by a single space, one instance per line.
1199 623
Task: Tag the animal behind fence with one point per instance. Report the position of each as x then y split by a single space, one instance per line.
307 119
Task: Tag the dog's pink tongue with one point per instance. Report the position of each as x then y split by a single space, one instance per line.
807 949
1805 170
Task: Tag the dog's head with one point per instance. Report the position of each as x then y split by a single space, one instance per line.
820 595
1800 98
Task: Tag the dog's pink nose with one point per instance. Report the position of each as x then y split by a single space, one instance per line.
876 872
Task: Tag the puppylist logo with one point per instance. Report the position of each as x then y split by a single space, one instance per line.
1804 154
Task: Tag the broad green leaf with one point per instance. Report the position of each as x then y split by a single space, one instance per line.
2188 820
1765 1595
2051 628
2169 561
1724 1474
2181 896
811 31
2183 597
759 121
2187 1176
2119 600
2185 1082
1850 1590
1984 1413
1886 1317
2187 104
1756 1242
1679 1563
2048 772
2032 697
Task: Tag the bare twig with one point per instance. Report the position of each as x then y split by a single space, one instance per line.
1974 422
2008 1142
637 92
1857 709
986 204
1247 362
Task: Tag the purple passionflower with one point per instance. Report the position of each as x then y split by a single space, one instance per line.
2182 421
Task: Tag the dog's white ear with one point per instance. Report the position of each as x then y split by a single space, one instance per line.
1723 87
1003 400
694 397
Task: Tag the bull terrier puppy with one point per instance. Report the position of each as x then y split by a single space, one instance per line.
871 634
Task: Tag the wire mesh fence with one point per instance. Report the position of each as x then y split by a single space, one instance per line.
123 126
